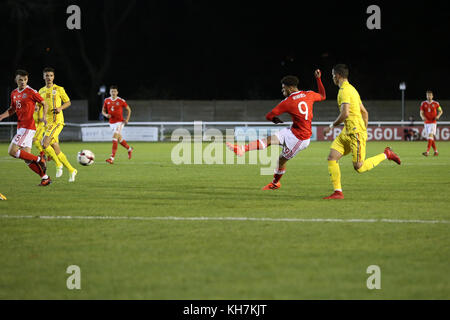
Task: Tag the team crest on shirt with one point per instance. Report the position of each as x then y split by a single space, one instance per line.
24 95
117 103
54 92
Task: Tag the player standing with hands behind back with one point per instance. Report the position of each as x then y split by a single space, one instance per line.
430 111
113 110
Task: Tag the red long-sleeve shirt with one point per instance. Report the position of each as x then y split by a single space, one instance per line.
300 106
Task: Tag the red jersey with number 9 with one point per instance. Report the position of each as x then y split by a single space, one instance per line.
115 108
23 103
300 106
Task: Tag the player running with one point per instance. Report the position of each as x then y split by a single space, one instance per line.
113 109
57 100
354 135
430 111
299 104
23 101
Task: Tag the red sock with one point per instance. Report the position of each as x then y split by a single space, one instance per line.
124 144
430 142
36 168
21 154
277 176
434 145
114 148
255 145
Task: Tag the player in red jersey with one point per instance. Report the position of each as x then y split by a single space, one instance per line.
113 109
430 111
299 104
23 101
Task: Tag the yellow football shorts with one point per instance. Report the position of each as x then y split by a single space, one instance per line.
354 143
53 130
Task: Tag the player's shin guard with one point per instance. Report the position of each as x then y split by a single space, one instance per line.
371 163
62 157
51 152
335 174
21 154
255 145
124 144
114 148
277 176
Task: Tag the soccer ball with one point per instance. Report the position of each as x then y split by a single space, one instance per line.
86 157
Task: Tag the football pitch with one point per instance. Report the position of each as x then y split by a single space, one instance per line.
146 228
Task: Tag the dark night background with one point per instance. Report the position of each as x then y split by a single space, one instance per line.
225 49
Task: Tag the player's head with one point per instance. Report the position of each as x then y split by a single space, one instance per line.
339 72
113 91
429 95
289 84
21 77
49 75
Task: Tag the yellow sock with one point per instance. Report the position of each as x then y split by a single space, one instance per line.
38 145
371 163
335 174
51 152
66 163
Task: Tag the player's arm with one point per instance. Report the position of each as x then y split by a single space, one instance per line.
104 112
345 110
7 113
63 107
422 115
44 112
320 86
65 99
364 114
440 112
278 110
128 113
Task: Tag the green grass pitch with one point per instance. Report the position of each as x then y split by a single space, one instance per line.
226 259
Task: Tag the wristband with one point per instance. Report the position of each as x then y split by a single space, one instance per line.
331 126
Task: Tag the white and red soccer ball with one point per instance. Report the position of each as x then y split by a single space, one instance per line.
86 157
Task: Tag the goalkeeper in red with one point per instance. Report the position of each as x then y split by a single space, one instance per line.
299 104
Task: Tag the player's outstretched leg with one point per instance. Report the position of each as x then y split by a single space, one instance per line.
391 155
253 145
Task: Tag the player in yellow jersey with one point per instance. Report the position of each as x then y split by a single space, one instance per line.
57 100
354 135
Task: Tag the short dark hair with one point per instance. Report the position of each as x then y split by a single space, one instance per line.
429 91
290 81
48 69
113 87
341 69
21 72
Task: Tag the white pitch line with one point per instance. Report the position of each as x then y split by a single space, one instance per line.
224 219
